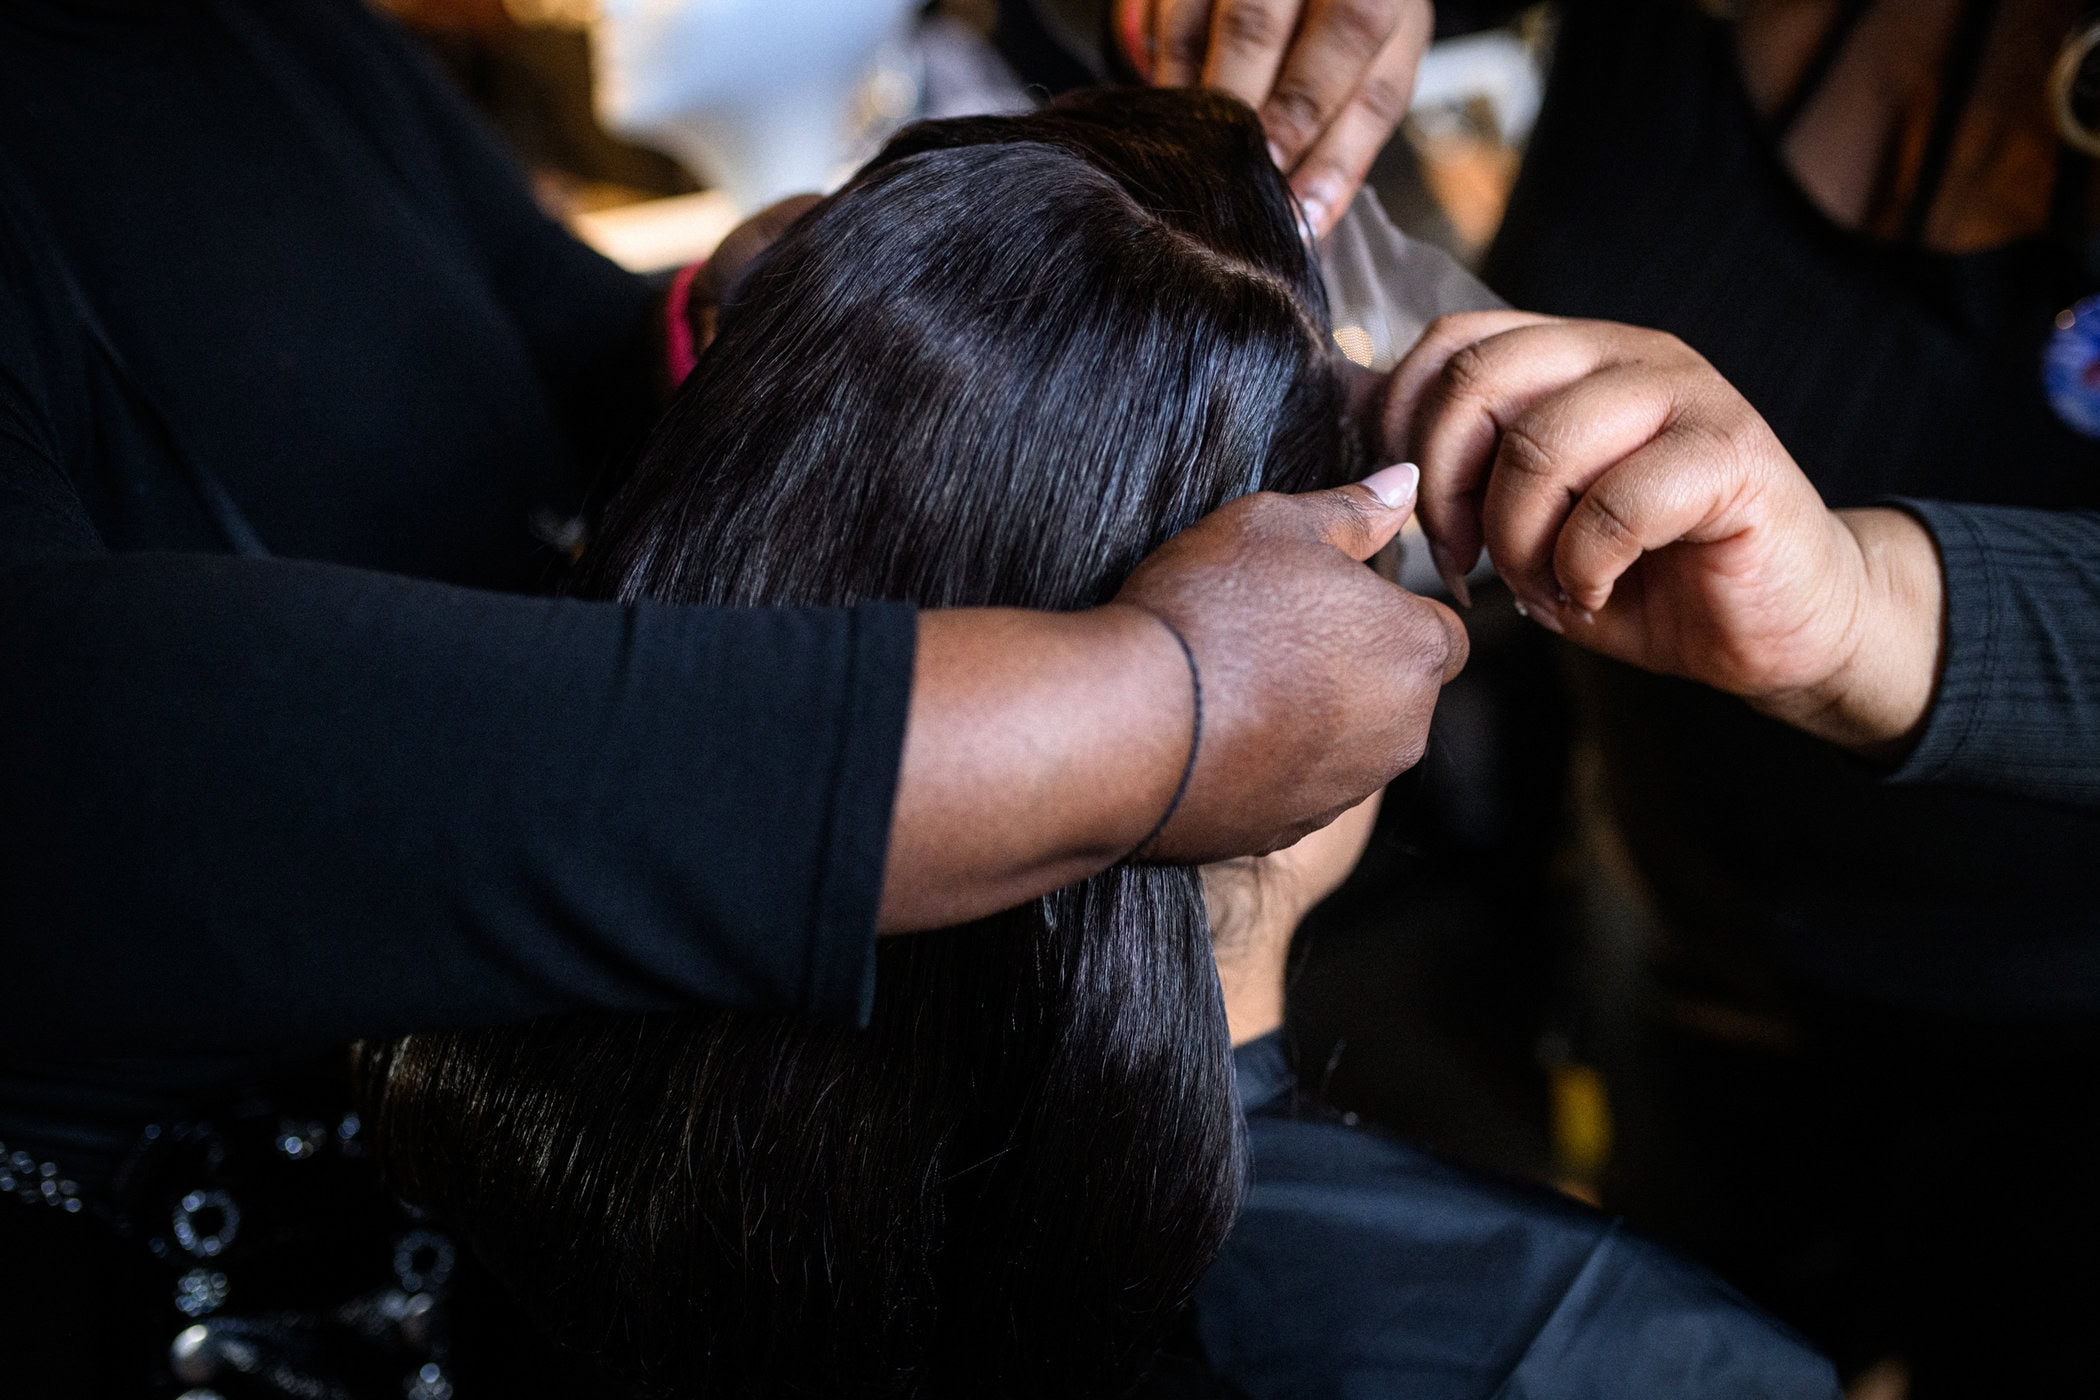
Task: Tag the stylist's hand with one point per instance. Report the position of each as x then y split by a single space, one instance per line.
1042 747
1637 504
1330 78
1319 677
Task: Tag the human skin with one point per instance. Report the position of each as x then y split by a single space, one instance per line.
1639 506
1330 79
1043 747
1256 904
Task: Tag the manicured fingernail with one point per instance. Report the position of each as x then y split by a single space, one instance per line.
1310 215
1395 486
1454 577
1321 199
1588 611
1276 155
1541 613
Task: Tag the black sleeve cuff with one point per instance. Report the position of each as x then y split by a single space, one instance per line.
841 976
2017 707
1968 650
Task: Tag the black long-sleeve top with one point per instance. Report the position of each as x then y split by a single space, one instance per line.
253 806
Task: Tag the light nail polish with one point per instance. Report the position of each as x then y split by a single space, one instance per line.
1395 486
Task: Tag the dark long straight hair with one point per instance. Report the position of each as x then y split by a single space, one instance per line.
1006 361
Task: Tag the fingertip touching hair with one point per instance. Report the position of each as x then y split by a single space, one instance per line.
1000 366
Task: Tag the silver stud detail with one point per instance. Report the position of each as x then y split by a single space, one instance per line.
205 1222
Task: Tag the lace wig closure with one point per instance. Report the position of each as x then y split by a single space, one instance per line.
1006 361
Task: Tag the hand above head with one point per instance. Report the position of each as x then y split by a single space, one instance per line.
1330 78
1042 747
1637 504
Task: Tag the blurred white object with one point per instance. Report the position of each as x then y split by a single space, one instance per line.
767 98
1495 67
760 98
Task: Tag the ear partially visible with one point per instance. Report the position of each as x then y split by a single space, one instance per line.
1256 905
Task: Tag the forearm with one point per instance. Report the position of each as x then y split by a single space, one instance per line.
326 804
1041 748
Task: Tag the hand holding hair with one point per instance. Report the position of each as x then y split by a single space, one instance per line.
1318 677
1637 504
1042 747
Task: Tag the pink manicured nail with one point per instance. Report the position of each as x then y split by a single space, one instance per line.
1395 486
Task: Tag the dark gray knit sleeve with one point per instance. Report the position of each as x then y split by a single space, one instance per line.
2018 705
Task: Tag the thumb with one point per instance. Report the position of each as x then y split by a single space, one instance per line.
1360 520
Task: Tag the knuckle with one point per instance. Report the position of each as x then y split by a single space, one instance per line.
1383 98
1525 453
1353 512
1293 108
1606 522
1251 26
1718 438
1263 511
1363 25
1183 47
1445 326
1467 374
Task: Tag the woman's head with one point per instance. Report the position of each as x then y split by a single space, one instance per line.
1008 359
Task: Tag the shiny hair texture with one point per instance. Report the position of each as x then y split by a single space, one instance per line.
1005 362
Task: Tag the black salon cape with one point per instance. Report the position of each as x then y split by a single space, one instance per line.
253 806
1362 1269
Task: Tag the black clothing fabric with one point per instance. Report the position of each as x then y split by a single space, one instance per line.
1894 1184
258 806
1362 1269
1855 1070
2018 703
1651 194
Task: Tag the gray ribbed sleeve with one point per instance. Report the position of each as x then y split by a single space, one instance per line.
2018 707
